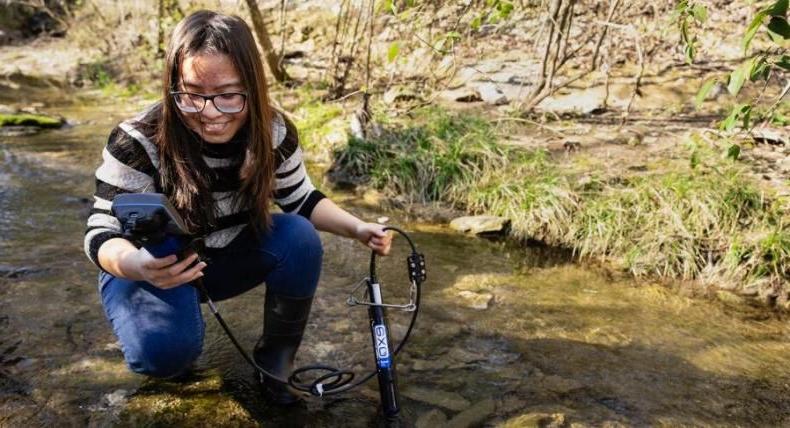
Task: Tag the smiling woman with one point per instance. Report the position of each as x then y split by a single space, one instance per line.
221 154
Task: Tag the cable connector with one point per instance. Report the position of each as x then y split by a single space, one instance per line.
416 262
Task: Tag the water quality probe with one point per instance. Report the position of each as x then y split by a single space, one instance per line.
149 220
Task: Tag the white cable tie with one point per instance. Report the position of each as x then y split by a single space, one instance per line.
320 389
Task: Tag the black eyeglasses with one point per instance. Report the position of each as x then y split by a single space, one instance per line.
189 102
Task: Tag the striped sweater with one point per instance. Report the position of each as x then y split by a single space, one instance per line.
131 161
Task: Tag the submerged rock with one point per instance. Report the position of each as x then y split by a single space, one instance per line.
461 95
8 271
473 300
431 419
484 225
472 416
446 400
491 94
18 131
536 420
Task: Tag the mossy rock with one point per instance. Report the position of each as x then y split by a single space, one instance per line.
26 119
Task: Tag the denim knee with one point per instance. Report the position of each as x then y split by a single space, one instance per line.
297 247
301 236
163 355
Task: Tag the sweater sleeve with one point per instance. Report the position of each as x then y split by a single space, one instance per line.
294 192
126 168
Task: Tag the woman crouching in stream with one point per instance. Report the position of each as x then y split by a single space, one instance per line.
221 154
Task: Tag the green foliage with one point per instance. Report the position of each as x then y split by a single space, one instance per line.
704 91
25 119
313 117
754 69
393 51
741 112
678 223
685 15
777 24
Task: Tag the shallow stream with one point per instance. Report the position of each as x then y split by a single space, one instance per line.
506 335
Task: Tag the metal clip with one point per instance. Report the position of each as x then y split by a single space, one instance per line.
408 307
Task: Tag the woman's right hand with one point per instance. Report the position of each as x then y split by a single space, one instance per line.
165 272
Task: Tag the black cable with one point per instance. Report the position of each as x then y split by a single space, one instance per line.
341 379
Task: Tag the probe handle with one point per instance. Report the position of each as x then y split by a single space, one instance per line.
385 363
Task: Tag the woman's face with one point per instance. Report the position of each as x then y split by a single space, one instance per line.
211 74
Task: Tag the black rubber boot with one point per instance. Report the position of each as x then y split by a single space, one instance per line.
284 320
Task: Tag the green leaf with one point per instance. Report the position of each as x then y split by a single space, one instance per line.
733 152
393 51
689 52
738 77
737 113
505 8
704 91
476 22
784 62
694 160
388 6
746 117
699 12
752 29
779 8
453 35
759 69
780 119
779 26
684 31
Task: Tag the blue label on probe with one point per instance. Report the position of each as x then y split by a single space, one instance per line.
382 349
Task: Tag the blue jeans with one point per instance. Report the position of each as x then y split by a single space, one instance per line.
161 331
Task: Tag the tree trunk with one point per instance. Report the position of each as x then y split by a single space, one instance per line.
276 67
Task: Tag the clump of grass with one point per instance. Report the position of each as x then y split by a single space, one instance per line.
699 217
313 117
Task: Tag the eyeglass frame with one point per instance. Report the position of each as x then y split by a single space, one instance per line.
207 98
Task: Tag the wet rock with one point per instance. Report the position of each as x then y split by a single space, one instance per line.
536 420
560 385
8 271
465 356
576 103
770 136
373 197
18 131
514 91
431 419
784 165
490 94
446 400
444 329
428 365
491 66
117 398
473 416
399 94
473 300
481 225
461 95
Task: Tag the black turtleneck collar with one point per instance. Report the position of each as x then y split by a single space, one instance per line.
232 148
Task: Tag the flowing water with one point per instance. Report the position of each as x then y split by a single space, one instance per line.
506 335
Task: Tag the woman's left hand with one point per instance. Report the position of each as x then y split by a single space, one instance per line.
374 237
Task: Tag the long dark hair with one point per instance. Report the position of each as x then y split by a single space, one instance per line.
184 175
